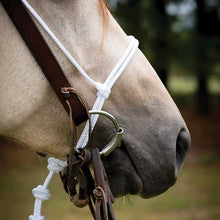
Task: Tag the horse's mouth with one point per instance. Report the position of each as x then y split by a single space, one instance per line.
122 174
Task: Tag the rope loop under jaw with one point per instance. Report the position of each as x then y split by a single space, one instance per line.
41 192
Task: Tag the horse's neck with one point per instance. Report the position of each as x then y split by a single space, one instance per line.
30 111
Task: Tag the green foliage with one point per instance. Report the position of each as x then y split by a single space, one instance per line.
166 46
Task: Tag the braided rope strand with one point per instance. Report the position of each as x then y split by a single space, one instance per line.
41 192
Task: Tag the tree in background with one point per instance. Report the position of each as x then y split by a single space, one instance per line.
149 21
207 30
130 17
161 43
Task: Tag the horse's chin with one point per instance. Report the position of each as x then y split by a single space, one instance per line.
125 177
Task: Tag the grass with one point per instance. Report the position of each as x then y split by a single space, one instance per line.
195 195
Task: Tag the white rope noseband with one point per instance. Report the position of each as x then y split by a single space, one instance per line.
103 91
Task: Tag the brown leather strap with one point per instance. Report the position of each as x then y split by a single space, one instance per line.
44 57
103 194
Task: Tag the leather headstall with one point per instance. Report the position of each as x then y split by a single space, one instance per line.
45 58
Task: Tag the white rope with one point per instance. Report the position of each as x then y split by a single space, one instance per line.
104 89
41 192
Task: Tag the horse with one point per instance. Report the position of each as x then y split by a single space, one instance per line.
156 139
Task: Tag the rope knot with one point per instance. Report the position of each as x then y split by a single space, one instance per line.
41 193
103 90
56 165
32 217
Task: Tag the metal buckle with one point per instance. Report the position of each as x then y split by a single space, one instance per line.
115 141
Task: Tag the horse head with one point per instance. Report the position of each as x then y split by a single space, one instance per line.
156 138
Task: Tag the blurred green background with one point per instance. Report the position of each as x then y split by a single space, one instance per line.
181 39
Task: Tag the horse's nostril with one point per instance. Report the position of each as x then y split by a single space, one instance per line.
182 147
